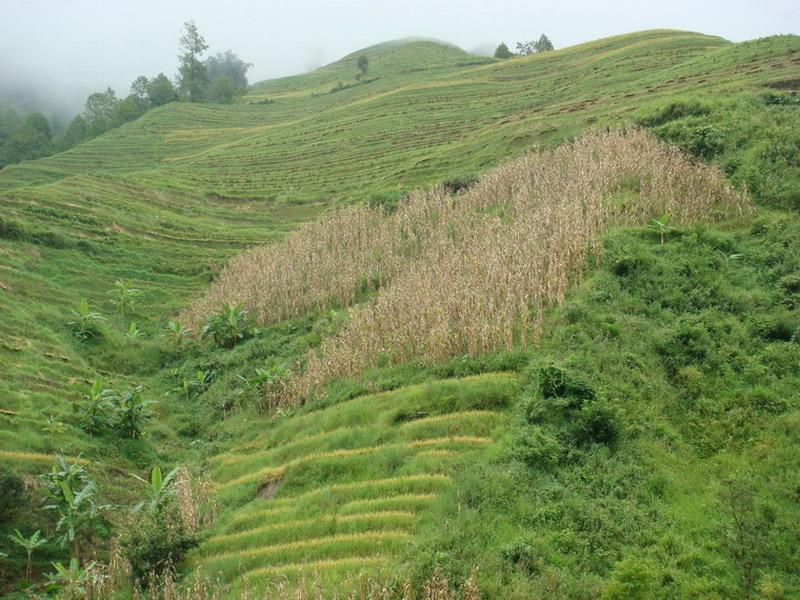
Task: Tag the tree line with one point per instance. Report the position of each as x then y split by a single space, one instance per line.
218 78
543 44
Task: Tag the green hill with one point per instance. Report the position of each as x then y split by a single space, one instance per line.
162 203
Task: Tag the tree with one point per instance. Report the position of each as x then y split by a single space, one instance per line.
129 109
192 72
139 87
76 132
222 90
543 44
526 48
99 111
31 139
502 51
230 65
363 66
160 90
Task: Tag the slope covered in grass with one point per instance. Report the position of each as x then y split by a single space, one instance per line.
340 490
161 204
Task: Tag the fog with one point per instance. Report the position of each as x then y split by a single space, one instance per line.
54 53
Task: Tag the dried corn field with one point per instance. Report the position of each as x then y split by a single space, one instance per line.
468 273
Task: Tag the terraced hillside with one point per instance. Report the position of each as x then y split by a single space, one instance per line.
340 490
360 141
160 204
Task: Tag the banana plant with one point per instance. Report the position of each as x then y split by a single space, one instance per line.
123 295
78 512
29 544
660 226
159 487
85 321
71 581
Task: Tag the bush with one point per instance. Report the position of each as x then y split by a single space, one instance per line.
538 448
687 344
599 424
556 383
523 555
154 544
673 111
12 494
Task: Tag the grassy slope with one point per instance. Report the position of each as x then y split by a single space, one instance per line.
164 200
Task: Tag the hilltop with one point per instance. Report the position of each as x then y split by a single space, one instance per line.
416 464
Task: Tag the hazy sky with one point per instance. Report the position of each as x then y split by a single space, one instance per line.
68 48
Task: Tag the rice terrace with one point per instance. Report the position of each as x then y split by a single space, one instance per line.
419 323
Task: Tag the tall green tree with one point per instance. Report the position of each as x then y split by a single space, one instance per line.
31 139
229 64
222 90
363 66
99 111
76 132
502 51
192 72
543 44
161 91
139 86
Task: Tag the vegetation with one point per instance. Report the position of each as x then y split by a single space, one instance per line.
634 435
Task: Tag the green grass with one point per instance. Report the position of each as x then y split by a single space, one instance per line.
164 201
346 490
692 344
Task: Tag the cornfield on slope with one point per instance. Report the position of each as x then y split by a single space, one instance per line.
468 273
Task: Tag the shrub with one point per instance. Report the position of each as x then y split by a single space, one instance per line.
154 543
673 111
556 383
12 494
523 555
538 448
686 344
598 424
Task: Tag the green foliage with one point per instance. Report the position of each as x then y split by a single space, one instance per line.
73 497
72 582
12 494
222 90
363 65
228 327
192 72
160 91
573 504
93 409
228 64
502 51
29 544
131 412
160 490
754 139
155 542
556 383
123 296
85 321
31 139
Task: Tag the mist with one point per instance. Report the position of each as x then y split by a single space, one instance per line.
53 53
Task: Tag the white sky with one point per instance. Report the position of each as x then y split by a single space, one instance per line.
69 48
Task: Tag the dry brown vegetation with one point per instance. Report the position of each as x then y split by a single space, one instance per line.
468 273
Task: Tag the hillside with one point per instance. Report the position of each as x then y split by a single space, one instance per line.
366 475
